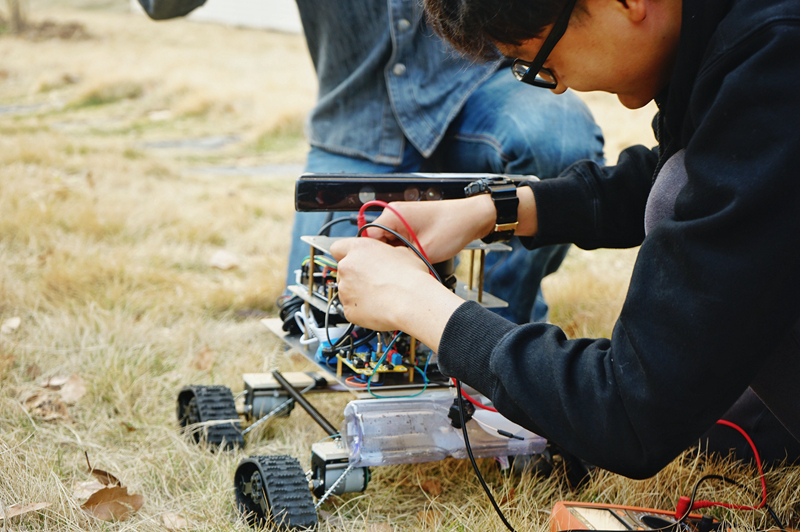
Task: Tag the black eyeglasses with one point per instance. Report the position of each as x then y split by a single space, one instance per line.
533 72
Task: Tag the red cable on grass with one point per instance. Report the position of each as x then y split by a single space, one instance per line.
683 509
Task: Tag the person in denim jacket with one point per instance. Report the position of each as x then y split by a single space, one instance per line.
393 97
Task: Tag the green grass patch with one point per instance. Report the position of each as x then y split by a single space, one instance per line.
108 94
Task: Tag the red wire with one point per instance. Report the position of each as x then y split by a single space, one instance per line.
362 220
760 471
705 504
355 383
474 401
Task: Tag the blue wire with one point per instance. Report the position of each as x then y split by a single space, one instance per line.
430 356
385 351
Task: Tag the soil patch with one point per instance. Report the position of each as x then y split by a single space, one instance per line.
47 30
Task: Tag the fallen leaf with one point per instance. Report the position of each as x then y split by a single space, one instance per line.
10 325
6 361
128 426
508 497
33 371
429 517
112 504
47 406
432 487
203 359
73 390
83 489
19 509
224 260
104 477
173 521
333 521
380 527
54 383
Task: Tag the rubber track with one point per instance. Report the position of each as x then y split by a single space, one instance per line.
217 403
287 491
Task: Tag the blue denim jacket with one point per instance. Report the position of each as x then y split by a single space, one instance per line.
383 75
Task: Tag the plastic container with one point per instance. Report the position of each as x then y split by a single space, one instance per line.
412 430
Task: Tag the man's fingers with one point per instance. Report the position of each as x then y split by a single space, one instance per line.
341 248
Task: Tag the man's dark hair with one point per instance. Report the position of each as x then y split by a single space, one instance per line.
474 26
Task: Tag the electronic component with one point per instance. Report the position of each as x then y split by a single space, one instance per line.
576 516
337 192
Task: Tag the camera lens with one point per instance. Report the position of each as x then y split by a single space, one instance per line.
411 194
366 194
433 193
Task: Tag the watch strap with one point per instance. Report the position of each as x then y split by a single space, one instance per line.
504 196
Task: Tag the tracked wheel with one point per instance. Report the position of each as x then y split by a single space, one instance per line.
272 492
204 411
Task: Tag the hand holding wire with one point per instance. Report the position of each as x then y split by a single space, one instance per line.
378 282
443 228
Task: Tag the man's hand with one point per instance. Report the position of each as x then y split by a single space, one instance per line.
445 227
389 288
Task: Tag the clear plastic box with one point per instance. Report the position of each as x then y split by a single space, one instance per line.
380 432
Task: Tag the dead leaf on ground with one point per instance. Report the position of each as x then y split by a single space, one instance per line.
432 486
10 325
224 260
33 371
7 360
19 509
47 406
173 521
73 390
104 477
429 517
85 488
112 504
204 359
333 521
54 383
380 527
508 497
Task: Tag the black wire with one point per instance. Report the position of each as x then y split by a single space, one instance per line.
325 229
458 383
353 219
775 518
729 481
472 458
407 243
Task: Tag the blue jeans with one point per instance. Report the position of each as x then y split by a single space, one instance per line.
505 127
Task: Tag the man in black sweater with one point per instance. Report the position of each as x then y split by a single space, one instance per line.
714 301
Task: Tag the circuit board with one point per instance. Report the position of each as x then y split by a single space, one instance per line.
369 363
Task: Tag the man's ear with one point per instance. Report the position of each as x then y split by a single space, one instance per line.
635 10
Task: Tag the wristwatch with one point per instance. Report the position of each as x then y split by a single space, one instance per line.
504 195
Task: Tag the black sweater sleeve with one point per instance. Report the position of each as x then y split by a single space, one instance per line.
593 206
714 287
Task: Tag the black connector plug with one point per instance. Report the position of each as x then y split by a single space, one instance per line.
455 418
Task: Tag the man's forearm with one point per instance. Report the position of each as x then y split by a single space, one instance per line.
428 315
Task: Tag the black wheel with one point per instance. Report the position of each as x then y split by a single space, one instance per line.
203 410
272 492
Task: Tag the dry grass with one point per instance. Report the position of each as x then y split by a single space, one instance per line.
104 249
